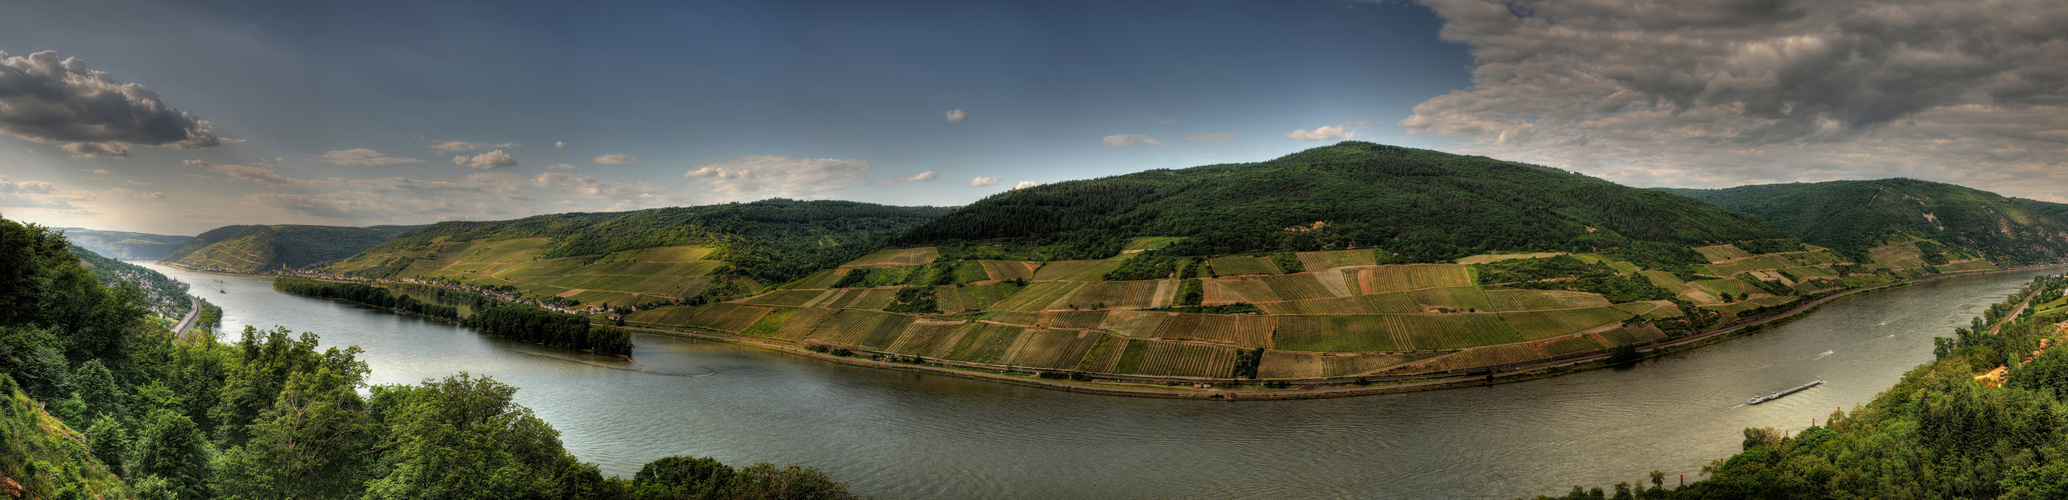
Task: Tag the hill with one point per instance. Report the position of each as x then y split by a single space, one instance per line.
1855 217
1354 261
124 245
662 254
261 248
161 294
1424 206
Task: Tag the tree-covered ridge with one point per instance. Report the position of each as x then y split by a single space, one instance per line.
124 245
1853 216
166 296
1425 206
261 248
773 240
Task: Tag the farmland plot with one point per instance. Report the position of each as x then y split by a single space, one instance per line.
1229 291
726 317
1038 296
1128 294
1587 318
1457 298
1362 333
896 257
803 324
1105 357
1073 320
822 279
1344 305
1632 334
1537 300
784 298
1476 358
1242 266
1186 359
1007 269
1302 286
1247 331
771 322
1454 331
1497 257
1720 253
1317 261
1311 365
1077 270
986 343
1052 349
1135 323
1570 345
923 335
1400 278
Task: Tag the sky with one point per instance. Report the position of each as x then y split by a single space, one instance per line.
178 117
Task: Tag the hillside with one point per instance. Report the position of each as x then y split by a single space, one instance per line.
1347 262
663 254
163 295
124 245
263 248
1424 206
1854 217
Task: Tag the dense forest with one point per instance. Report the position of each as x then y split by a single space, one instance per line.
571 331
1423 206
1852 216
98 402
261 248
774 240
364 294
1938 433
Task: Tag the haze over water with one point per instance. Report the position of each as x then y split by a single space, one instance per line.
909 435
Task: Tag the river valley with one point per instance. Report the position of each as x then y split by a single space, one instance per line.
910 435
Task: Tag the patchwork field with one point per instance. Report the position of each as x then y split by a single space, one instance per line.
1321 261
896 257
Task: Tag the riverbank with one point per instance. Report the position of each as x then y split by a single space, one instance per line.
1231 390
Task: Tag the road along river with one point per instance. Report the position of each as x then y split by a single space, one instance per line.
905 434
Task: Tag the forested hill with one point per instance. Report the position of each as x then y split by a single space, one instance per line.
1425 206
773 240
124 245
1853 216
258 248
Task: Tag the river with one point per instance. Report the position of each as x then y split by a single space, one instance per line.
910 435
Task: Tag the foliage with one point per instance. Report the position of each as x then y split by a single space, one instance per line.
1147 265
364 294
1246 363
1424 205
563 330
1852 216
1564 272
915 299
161 293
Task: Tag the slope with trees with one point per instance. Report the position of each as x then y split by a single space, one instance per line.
248 249
1853 217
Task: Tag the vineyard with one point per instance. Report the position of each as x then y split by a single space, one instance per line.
1317 261
896 257
1076 270
1243 266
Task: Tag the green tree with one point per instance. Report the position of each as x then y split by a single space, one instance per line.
463 437
174 450
316 441
683 477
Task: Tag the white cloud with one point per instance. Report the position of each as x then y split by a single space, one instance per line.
363 156
615 159
1711 93
762 176
919 177
1213 137
983 181
47 99
1125 140
450 147
1025 184
95 171
956 115
1335 133
561 166
485 161
195 163
560 144
40 195
357 205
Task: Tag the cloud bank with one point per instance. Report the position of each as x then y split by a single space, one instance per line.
763 176
47 99
485 161
1713 93
363 156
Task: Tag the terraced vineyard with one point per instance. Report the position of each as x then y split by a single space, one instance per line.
1343 317
618 278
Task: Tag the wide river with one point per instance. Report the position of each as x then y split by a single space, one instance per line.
908 435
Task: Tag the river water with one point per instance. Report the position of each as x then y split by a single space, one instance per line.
909 435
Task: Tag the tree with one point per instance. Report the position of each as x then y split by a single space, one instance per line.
683 477
463 437
173 450
315 442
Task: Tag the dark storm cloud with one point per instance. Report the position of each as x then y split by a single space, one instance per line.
1732 85
47 99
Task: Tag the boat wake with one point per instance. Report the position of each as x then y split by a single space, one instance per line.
1821 356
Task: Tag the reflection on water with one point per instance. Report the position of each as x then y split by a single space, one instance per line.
902 434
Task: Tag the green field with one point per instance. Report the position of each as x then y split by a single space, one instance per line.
1243 266
1720 253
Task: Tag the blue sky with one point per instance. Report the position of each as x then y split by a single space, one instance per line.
355 113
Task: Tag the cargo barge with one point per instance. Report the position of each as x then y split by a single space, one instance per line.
1777 395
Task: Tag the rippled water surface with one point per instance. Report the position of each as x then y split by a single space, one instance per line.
899 434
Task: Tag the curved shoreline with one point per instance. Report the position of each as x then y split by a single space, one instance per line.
1142 386
1320 389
